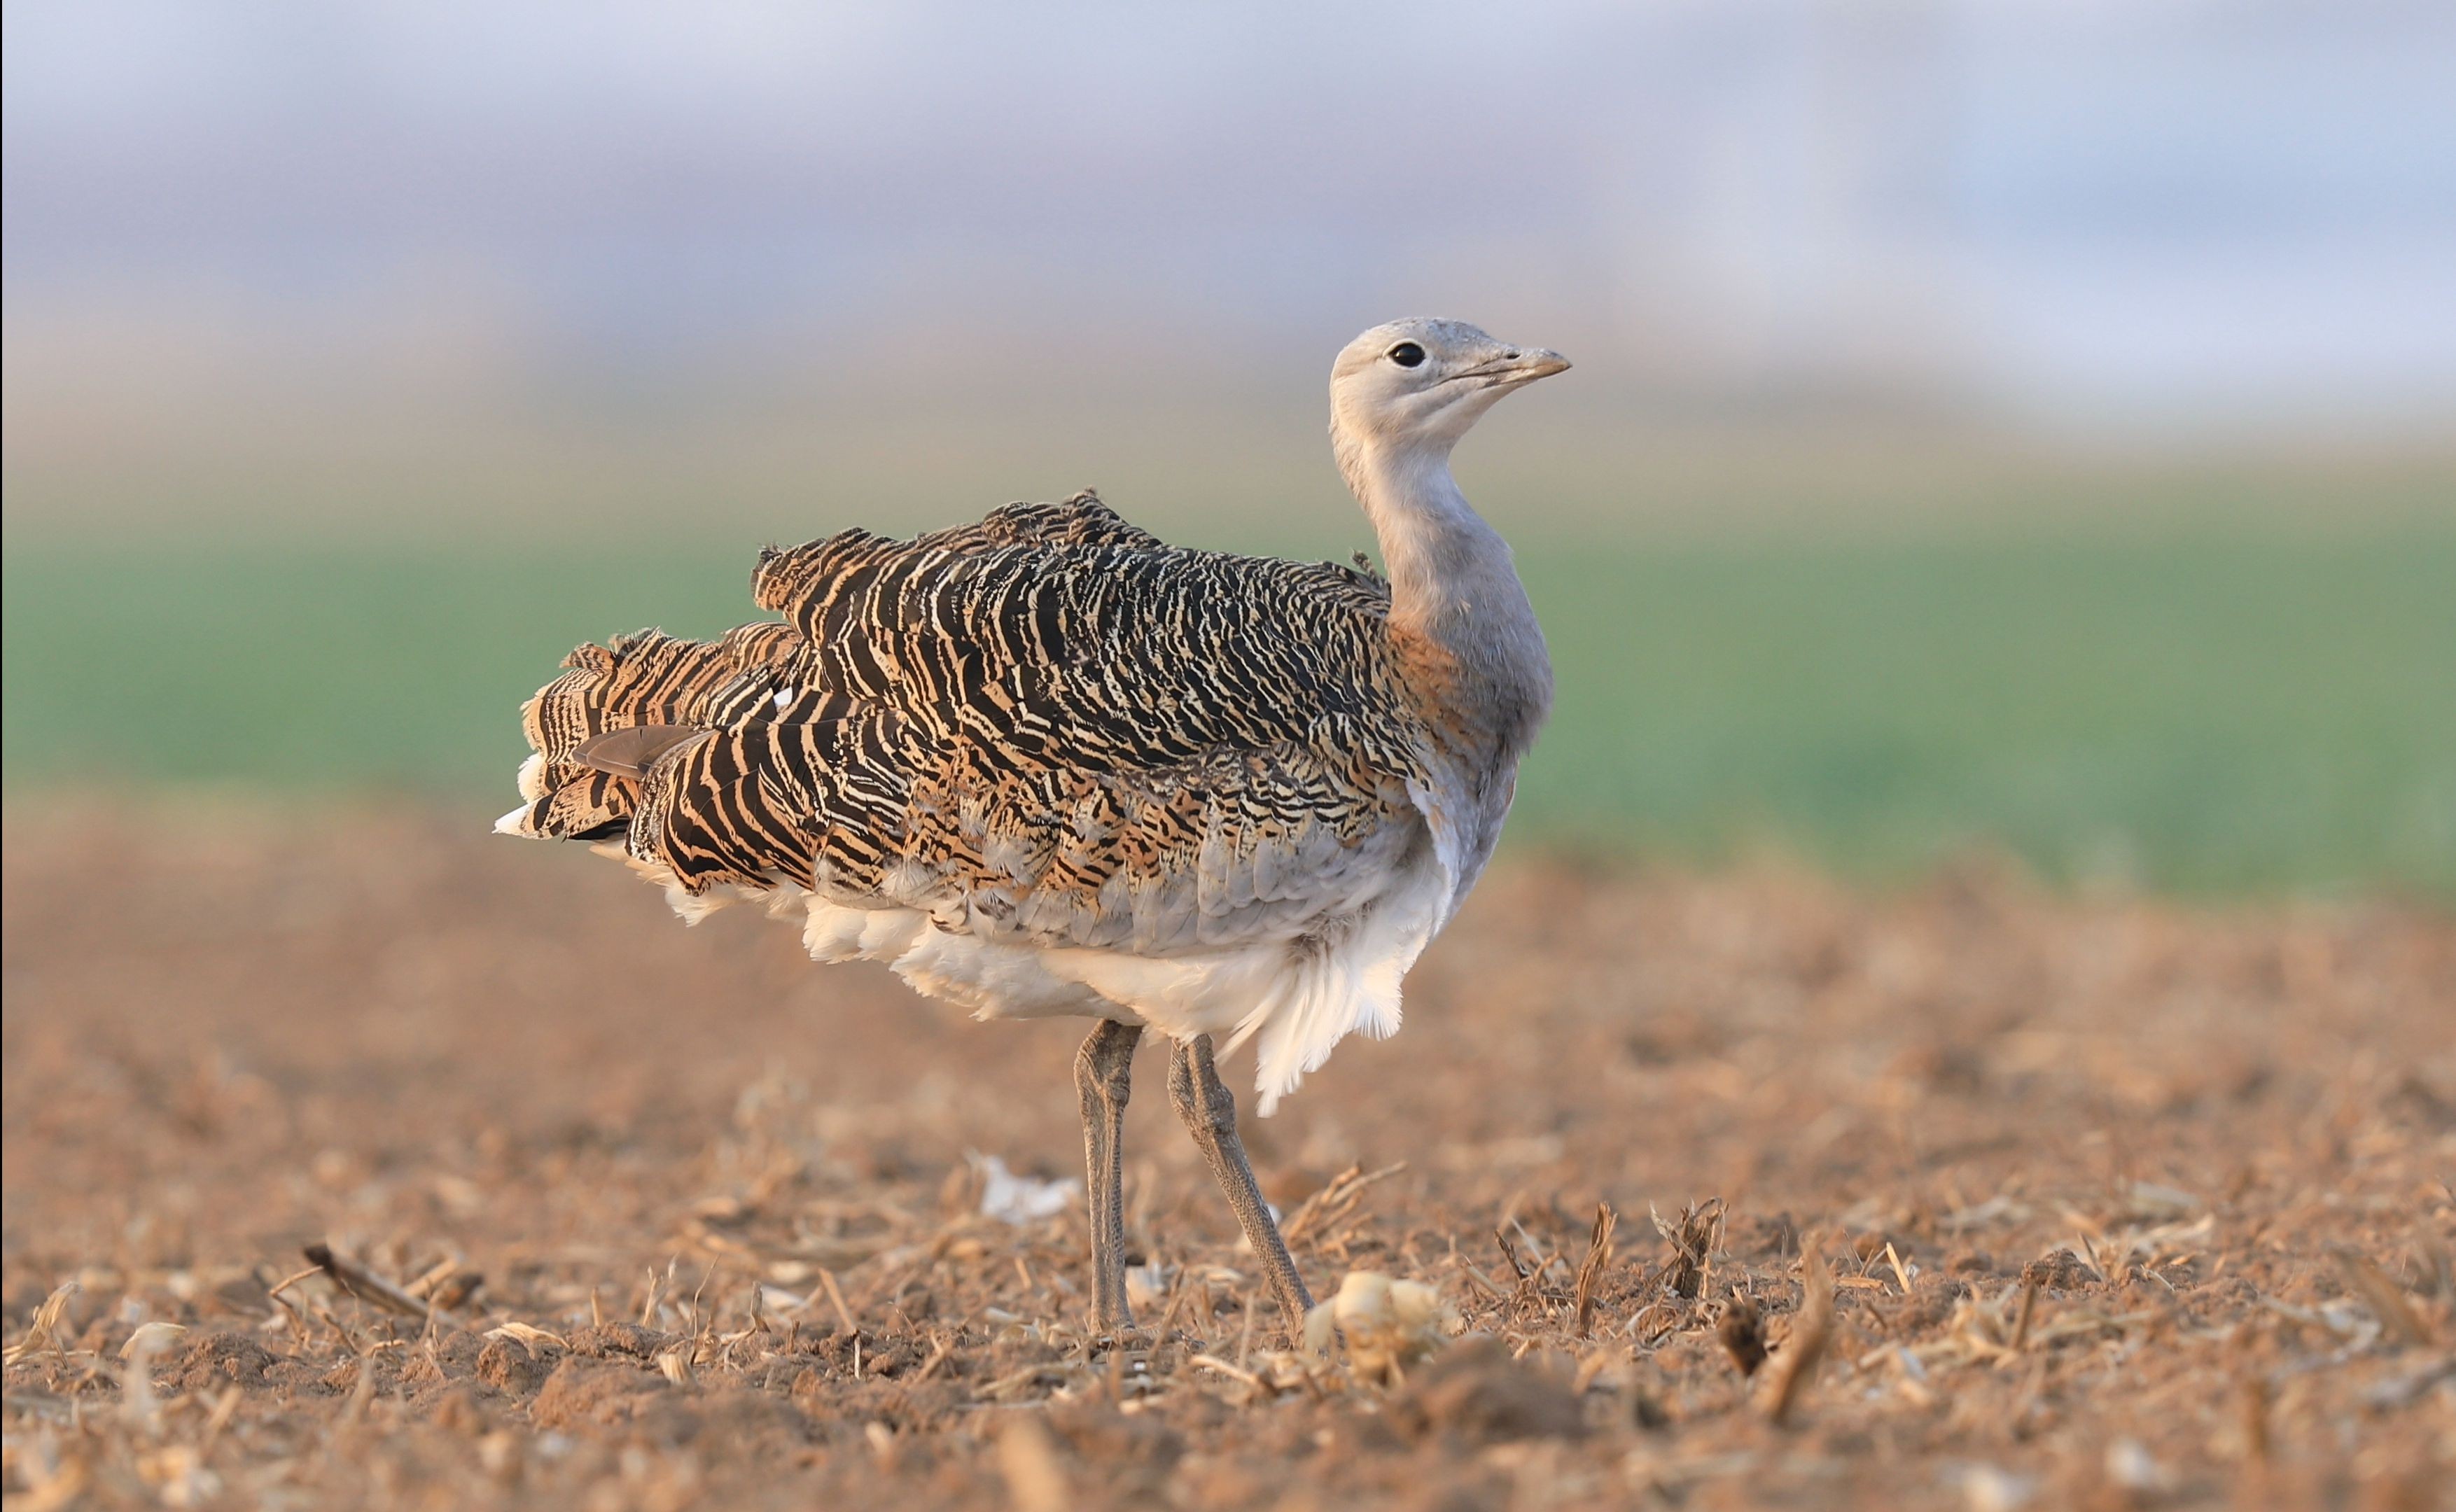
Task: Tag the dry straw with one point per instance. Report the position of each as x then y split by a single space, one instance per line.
1811 1335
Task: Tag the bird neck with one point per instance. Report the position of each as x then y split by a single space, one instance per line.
1459 621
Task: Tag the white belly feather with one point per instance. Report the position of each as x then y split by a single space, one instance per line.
1295 999
1295 993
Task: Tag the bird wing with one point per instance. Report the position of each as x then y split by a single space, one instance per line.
1048 726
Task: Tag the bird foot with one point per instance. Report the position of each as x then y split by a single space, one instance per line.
1124 1336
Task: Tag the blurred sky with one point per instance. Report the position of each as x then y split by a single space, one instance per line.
2093 213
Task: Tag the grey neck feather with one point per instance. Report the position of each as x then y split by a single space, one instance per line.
1452 581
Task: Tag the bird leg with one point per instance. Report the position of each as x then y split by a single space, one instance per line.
1103 1074
1203 1101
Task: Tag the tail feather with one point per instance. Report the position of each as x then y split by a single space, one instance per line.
648 679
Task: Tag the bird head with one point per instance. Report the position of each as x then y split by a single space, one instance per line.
1420 383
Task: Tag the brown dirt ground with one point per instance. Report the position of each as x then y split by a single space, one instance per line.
2121 1204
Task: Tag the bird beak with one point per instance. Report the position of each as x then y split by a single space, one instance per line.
1518 366
1538 363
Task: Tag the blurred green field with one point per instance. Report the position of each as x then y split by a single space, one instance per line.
2210 712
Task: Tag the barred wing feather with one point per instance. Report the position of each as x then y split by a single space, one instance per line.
1047 727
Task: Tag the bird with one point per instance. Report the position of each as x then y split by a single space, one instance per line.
1049 765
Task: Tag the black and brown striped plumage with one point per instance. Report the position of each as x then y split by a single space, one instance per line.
1048 727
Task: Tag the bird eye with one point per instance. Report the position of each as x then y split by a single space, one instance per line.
1408 354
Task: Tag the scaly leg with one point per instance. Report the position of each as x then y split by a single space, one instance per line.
1103 1074
1202 1100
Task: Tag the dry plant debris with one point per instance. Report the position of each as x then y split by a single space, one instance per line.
2093 1203
1693 1238
1742 1332
1591 1272
1811 1335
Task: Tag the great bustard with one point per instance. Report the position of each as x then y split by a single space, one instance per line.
1048 763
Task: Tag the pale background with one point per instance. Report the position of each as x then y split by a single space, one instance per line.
2031 420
